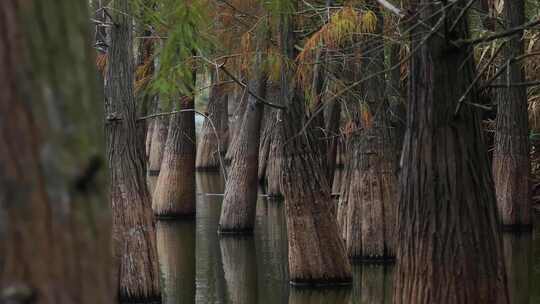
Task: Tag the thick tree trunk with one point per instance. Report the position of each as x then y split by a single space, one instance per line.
239 203
175 192
511 165
176 252
133 223
316 252
371 201
55 219
158 138
240 267
449 249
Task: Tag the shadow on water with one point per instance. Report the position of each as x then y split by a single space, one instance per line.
198 265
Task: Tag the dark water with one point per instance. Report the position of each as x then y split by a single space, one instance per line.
199 266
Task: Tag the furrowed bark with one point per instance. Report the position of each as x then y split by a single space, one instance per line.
370 223
316 252
450 248
511 164
55 222
208 153
160 130
133 223
239 203
175 192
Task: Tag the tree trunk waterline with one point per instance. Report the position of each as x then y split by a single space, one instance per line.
371 202
175 192
133 223
511 165
239 203
55 220
316 252
158 137
450 248
213 143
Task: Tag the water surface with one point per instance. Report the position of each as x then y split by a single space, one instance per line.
199 266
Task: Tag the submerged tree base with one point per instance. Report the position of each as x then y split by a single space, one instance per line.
317 283
152 299
235 232
517 228
373 259
175 216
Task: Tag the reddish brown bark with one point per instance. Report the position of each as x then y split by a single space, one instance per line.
55 219
449 248
511 164
175 194
133 222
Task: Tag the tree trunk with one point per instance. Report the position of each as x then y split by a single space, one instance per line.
160 129
316 252
241 101
133 223
449 248
175 192
176 251
517 255
511 166
55 219
239 203
371 201
212 146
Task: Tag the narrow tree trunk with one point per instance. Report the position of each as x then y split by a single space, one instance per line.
211 145
55 219
316 252
511 165
371 201
175 192
241 101
449 248
176 251
160 129
239 203
272 140
133 223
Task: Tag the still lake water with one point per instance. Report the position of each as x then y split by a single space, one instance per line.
199 266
